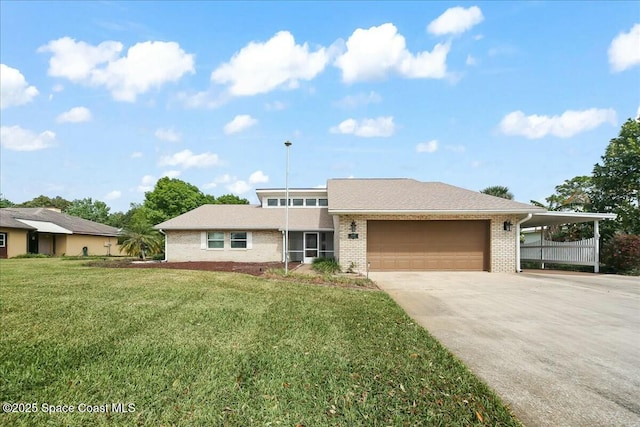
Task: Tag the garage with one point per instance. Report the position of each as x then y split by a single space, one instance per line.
428 245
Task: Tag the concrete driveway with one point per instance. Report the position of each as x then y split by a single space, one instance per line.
560 349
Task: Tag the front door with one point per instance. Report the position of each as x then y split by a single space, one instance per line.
310 247
3 245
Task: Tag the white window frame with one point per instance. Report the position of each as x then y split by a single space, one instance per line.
204 240
247 240
3 240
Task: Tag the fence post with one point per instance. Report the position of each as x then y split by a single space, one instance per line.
596 244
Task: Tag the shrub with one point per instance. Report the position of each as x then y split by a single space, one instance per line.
32 256
622 253
326 265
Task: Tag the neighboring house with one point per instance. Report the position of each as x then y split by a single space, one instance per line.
48 231
366 224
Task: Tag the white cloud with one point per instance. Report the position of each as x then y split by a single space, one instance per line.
373 53
277 63
568 124
204 99
147 65
258 177
113 195
239 187
275 106
427 147
222 179
168 135
14 89
136 154
367 128
624 51
18 139
147 183
171 174
187 159
456 20
239 123
360 99
471 60
75 115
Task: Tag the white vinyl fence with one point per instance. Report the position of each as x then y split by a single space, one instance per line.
581 252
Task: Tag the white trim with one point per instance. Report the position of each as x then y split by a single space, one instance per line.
427 211
203 240
3 244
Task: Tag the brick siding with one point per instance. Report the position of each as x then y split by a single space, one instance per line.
353 252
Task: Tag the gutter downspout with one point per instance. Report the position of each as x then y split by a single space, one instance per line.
165 244
523 220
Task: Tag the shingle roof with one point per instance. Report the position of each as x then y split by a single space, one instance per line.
7 221
409 195
72 223
249 217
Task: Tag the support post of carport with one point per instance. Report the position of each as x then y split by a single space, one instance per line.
596 246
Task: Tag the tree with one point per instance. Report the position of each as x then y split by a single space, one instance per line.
616 181
88 209
141 240
231 199
173 197
572 195
5 203
46 202
498 191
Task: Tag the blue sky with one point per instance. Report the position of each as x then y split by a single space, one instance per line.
100 99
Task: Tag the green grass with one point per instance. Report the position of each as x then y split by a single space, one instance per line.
192 348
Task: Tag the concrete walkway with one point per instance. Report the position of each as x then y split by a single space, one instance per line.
561 350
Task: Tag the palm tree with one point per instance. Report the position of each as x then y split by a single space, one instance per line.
498 191
140 240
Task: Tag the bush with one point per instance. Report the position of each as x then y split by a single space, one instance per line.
622 253
32 256
326 265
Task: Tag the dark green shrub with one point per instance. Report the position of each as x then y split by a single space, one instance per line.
622 253
326 265
32 256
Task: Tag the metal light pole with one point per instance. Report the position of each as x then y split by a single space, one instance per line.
286 214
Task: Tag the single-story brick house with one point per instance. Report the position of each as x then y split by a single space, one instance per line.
374 224
48 231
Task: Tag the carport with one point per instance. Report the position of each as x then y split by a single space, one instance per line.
582 252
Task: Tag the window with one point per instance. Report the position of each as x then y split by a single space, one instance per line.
282 202
310 202
323 202
215 240
3 240
298 202
239 240
272 202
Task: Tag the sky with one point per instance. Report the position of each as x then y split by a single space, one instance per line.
101 99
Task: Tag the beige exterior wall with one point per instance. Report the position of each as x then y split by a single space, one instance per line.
502 246
72 244
266 246
16 241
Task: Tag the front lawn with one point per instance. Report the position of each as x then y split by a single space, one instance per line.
192 348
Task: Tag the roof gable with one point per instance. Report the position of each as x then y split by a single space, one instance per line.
409 195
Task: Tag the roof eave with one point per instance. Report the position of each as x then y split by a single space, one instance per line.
432 211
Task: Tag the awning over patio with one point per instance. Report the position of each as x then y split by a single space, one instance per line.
556 218
45 226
